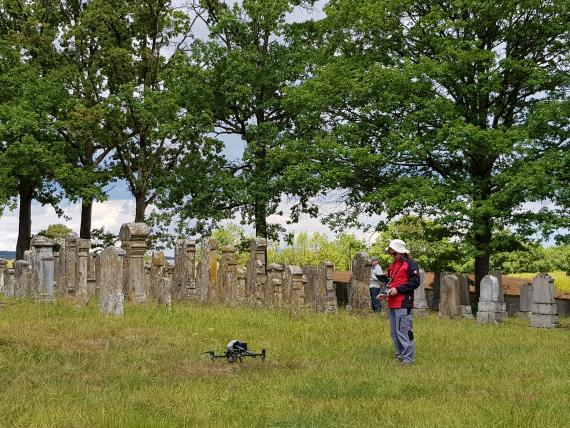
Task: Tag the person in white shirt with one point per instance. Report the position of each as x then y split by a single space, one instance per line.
375 285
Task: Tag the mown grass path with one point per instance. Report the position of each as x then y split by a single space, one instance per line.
63 366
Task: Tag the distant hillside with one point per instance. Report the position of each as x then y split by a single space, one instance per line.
7 254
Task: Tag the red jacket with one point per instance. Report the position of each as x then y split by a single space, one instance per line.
405 277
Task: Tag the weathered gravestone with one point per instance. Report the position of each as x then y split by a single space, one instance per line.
294 288
111 281
256 274
491 307
3 267
9 282
227 275
184 276
525 301
42 268
464 300
544 312
358 288
420 302
319 291
239 293
450 299
82 292
70 265
156 274
207 270
133 238
23 278
273 290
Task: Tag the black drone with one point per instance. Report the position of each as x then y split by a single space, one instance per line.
236 350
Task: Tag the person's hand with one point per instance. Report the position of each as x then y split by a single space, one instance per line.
392 291
381 297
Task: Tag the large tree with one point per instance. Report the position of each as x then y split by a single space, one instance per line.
32 156
443 109
245 65
138 43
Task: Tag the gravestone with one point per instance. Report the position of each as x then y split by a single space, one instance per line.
111 281
23 278
450 299
208 270
464 300
525 301
9 282
133 238
294 288
239 294
82 293
91 275
70 265
3 267
226 282
184 275
326 301
420 302
43 268
273 291
156 275
358 288
256 274
312 286
544 313
491 307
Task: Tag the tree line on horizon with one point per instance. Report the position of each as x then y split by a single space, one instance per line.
457 112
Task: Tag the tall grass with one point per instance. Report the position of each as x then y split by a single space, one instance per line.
65 366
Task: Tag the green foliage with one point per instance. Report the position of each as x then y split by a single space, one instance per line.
447 109
305 249
57 233
245 65
101 239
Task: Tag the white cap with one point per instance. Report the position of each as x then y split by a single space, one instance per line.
398 246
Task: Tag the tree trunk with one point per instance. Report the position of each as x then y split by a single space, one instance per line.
140 208
86 212
261 220
26 192
482 236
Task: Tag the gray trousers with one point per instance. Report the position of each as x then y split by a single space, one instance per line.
402 334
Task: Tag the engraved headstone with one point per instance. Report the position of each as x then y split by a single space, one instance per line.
544 312
111 282
490 308
358 288
420 302
133 238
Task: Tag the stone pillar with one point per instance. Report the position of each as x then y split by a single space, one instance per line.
312 286
111 282
156 274
491 309
208 270
43 268
294 287
3 267
56 273
81 271
358 289
420 302
327 297
464 300
544 312
133 238
273 290
9 282
525 301
239 293
450 300
91 274
184 276
70 266
23 278
227 275
256 274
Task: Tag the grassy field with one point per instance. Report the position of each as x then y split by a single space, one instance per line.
66 367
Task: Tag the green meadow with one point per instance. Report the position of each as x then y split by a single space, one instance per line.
63 366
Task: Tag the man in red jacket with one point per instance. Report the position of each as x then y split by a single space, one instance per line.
404 279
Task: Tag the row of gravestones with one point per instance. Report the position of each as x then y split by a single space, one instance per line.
117 274
536 302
